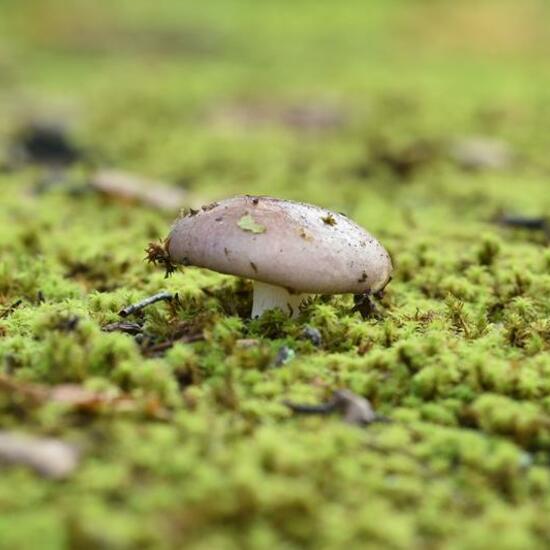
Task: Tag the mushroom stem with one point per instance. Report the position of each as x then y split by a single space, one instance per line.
270 297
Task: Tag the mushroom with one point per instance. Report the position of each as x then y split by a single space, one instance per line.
289 249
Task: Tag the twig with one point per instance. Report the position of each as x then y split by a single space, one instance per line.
323 408
355 409
159 348
11 308
534 224
128 328
134 308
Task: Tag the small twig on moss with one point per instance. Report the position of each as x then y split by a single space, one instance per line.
355 409
322 408
524 222
10 309
128 328
157 254
134 308
156 350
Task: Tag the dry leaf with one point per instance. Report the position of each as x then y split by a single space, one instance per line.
49 457
133 188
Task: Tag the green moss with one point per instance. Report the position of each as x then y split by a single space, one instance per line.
348 107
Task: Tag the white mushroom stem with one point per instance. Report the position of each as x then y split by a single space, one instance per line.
271 297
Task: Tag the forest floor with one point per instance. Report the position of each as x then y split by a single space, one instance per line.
425 122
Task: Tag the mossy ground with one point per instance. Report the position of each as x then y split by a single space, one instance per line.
202 95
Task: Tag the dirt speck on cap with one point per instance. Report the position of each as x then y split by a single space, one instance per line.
329 219
305 234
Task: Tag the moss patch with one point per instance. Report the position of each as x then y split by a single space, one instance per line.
342 106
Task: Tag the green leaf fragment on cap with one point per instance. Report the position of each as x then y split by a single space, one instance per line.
247 223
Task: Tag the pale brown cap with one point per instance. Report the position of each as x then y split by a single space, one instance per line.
298 246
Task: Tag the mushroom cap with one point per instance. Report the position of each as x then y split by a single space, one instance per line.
301 247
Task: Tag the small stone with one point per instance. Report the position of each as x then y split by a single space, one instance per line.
355 409
479 153
525 460
284 355
313 335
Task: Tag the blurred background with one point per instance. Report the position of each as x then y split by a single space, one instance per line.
325 101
